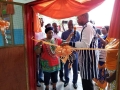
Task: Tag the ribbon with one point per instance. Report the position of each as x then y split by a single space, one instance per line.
65 51
3 26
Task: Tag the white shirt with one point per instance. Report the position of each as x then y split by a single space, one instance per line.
87 36
58 35
40 35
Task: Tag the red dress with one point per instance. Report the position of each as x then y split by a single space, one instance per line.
48 52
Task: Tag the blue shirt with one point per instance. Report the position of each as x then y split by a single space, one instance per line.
68 32
73 39
99 41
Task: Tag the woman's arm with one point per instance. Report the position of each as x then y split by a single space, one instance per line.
104 42
38 48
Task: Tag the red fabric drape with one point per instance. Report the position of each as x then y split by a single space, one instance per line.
60 9
37 2
30 45
10 8
114 31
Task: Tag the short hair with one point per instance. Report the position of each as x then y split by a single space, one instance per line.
54 23
86 15
107 28
70 21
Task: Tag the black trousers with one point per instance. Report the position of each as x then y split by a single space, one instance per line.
52 76
87 84
61 73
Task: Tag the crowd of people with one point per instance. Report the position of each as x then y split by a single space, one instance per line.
88 61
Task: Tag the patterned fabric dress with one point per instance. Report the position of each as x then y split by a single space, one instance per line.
49 60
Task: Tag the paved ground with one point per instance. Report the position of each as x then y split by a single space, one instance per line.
60 85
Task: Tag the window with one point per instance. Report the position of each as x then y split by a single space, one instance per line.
14 35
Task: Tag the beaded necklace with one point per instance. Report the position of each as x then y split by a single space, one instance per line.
51 48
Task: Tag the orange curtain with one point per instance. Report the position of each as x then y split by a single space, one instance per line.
10 8
60 9
37 25
114 31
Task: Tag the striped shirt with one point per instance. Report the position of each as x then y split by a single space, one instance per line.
88 59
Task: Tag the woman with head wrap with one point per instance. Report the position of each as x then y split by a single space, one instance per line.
49 60
101 80
112 45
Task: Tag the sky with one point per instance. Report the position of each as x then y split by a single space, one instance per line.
101 15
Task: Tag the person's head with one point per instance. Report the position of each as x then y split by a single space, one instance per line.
83 19
49 32
41 22
105 30
70 25
55 27
48 25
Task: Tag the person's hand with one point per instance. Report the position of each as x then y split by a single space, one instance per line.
64 44
98 36
38 47
40 43
71 35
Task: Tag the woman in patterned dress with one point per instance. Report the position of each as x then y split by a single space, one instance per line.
49 60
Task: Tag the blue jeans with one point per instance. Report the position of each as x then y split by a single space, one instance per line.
40 75
39 70
75 71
